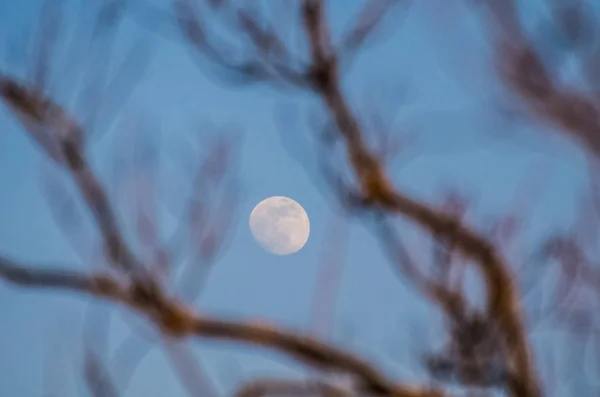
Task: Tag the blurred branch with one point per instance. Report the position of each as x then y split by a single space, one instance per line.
202 229
96 377
292 388
323 305
367 23
63 141
100 285
177 320
190 371
534 70
269 63
502 300
521 66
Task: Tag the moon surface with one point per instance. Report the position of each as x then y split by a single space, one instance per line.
280 225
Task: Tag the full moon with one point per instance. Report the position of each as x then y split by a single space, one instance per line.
280 225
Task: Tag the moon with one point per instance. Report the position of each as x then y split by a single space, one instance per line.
280 225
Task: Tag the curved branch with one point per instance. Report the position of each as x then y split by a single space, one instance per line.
502 299
176 319
64 142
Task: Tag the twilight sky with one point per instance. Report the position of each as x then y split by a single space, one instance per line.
430 75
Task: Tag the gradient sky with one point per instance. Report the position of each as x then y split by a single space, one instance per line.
437 59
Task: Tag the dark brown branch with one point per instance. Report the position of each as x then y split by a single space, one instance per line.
177 320
291 388
65 145
98 285
502 299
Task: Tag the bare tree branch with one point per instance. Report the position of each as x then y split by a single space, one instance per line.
520 65
176 319
65 145
502 300
63 279
368 21
292 388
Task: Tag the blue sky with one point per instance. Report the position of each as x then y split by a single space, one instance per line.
437 59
